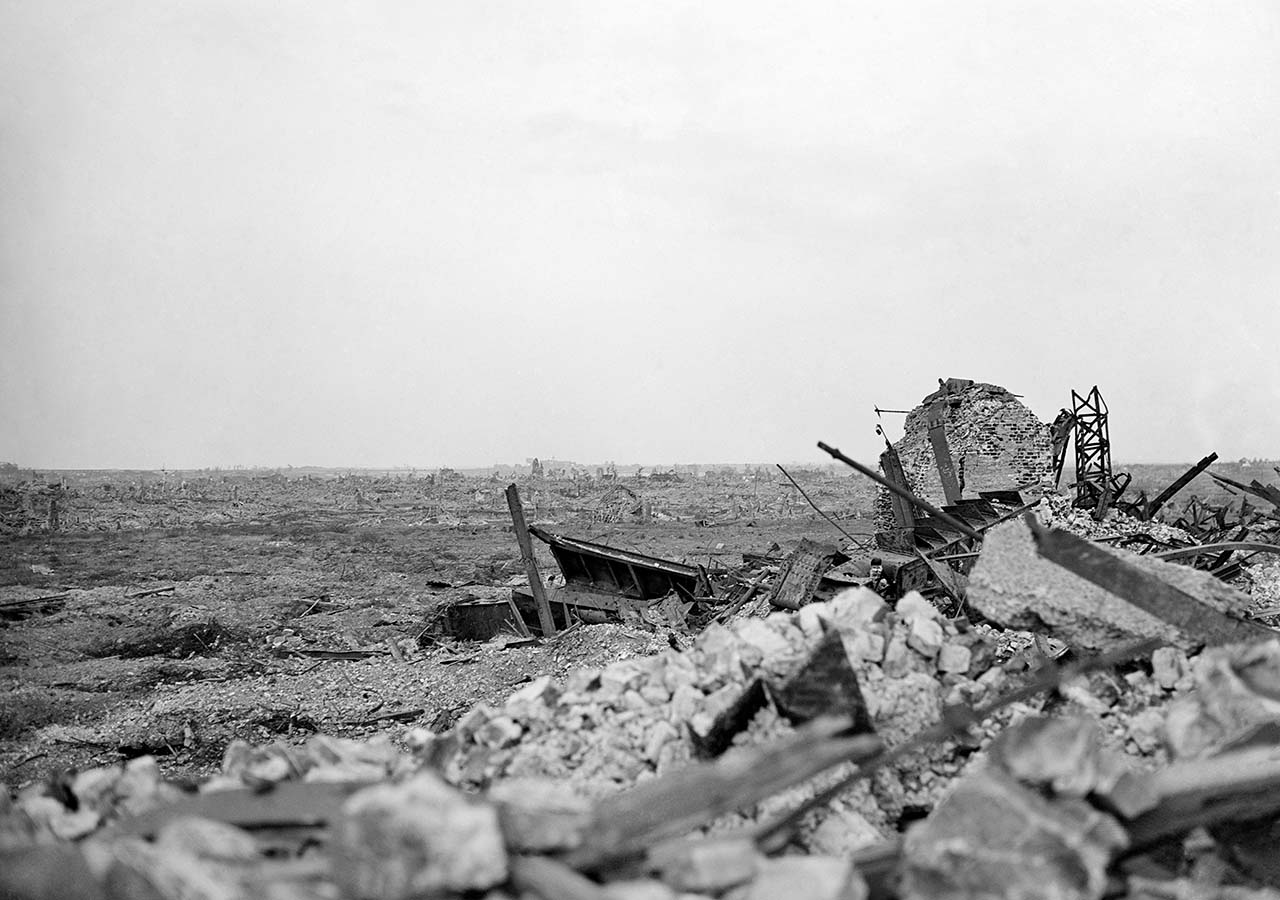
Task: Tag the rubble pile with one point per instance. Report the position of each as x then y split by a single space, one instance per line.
1077 729
640 718
1058 511
1043 807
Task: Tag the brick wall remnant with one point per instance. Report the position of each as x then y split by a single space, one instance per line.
996 444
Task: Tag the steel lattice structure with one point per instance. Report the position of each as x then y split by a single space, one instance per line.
1096 487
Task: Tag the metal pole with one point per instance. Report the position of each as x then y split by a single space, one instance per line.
879 479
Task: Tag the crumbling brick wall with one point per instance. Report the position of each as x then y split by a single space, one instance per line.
996 444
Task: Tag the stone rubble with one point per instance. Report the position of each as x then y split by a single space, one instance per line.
1026 805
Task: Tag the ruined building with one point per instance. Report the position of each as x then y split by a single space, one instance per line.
993 441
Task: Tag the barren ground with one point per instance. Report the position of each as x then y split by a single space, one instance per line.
119 672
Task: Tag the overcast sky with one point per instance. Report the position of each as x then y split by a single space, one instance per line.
460 233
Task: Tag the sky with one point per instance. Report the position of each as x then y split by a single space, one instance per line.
465 232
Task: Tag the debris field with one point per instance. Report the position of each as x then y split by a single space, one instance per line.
984 689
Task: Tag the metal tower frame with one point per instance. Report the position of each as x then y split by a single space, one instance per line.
1096 486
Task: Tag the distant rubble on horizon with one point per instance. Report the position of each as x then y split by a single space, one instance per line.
11 472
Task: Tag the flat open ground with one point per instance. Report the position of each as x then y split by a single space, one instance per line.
197 621
192 604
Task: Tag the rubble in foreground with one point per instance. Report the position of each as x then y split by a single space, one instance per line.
525 798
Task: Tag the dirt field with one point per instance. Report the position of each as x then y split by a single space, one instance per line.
174 640
193 608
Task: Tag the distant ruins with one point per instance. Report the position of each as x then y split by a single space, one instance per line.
975 436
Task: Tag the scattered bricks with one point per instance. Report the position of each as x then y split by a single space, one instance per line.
467 726
618 678
655 694
925 636
813 877
50 816
538 815
147 871
686 701
843 832
1169 667
766 641
206 839
140 787
954 657
95 788
865 646
1146 730
541 692
914 606
706 866
1237 690
855 608
1066 756
992 837
499 732
659 735
897 660
418 837
810 620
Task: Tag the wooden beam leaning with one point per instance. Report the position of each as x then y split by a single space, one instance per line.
628 823
1186 478
530 564
947 519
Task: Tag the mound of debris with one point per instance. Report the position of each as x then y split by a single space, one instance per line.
778 751
1049 808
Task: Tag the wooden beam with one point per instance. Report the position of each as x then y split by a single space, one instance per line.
530 564
1186 478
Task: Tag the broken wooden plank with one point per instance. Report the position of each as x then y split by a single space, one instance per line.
953 583
404 715
801 573
290 803
948 520
956 722
626 824
1185 479
1147 592
530 563
942 451
1183 552
151 592
1237 786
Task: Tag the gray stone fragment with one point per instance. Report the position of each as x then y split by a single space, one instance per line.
810 877
417 838
1014 586
993 839
706 866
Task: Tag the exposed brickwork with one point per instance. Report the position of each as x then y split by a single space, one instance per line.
996 444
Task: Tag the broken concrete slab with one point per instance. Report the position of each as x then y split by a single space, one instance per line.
1016 588
993 837
1065 756
1237 692
420 836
